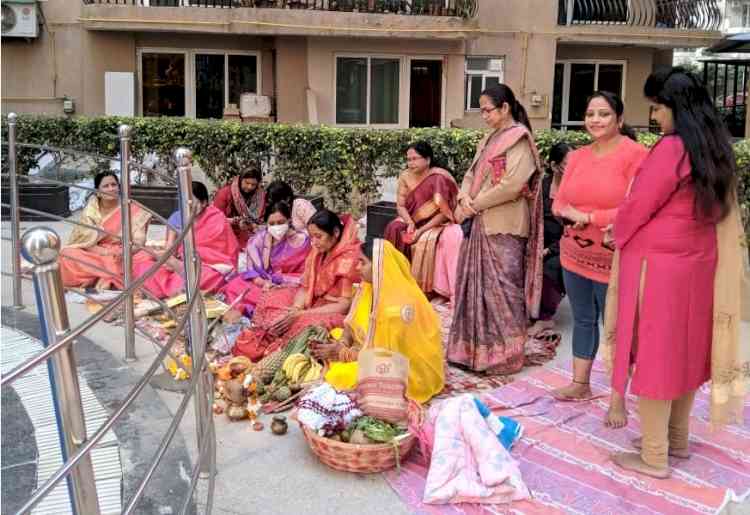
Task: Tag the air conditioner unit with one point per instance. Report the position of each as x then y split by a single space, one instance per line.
19 19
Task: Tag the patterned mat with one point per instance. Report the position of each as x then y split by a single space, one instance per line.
564 457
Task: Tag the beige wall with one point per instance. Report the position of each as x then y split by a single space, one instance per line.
639 64
321 54
291 77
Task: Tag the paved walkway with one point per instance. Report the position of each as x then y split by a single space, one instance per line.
35 395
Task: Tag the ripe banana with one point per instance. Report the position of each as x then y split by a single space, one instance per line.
299 369
292 361
314 373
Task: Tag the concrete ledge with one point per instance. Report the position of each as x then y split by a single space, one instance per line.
636 36
274 22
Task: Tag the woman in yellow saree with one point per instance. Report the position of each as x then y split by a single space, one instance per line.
390 312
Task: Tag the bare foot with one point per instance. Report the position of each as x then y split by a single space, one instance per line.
632 461
573 392
682 454
617 414
539 326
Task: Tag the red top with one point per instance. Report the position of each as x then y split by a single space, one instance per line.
656 228
597 185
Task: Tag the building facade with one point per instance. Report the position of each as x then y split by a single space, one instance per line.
375 63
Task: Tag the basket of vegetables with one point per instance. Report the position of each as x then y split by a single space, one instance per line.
368 445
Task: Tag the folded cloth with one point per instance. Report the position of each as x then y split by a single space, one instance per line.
506 429
326 411
469 464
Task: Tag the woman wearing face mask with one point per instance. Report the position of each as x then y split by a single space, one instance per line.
93 258
323 298
275 258
389 312
594 185
215 243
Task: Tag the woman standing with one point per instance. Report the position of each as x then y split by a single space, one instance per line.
680 271
593 187
499 278
425 203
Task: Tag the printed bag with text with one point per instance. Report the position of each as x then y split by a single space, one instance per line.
381 384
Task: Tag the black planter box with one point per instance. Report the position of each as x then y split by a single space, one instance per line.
162 200
379 215
50 198
315 200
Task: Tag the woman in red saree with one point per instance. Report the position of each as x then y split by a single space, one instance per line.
215 243
425 203
275 258
324 297
93 258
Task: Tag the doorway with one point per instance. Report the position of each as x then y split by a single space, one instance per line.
426 93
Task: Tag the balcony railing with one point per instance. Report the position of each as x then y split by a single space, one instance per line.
458 8
666 14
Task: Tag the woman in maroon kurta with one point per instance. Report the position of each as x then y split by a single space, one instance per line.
666 231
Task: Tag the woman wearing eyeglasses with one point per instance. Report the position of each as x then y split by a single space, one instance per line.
499 278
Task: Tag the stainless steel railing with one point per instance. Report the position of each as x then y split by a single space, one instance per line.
41 247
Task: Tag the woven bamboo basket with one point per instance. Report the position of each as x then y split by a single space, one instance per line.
365 459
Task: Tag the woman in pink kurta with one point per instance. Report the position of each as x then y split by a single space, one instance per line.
666 231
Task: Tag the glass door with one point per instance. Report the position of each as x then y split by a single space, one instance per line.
163 84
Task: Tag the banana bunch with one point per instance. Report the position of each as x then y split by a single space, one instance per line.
300 368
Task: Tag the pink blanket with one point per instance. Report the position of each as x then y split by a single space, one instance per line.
468 462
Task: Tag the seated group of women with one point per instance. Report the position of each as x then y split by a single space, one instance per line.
295 277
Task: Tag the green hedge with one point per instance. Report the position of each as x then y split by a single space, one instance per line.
347 164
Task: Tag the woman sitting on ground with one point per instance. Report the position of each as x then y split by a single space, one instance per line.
424 231
93 258
324 296
215 243
275 258
390 312
302 209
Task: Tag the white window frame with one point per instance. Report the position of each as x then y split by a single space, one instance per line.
190 83
401 81
564 121
485 74
745 16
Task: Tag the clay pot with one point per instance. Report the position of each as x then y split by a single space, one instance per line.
279 425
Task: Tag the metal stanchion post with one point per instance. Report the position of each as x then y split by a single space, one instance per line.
41 246
15 215
127 240
196 336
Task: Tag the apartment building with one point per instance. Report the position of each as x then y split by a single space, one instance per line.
374 63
